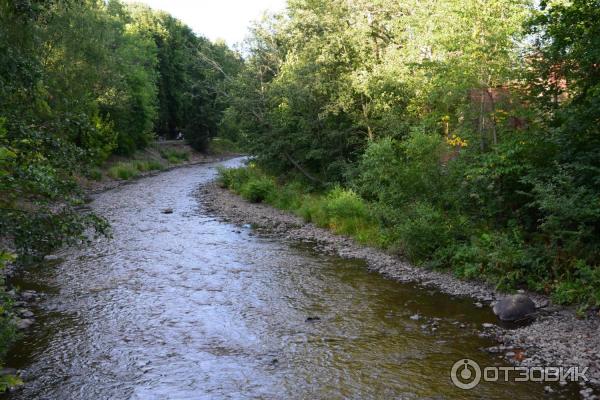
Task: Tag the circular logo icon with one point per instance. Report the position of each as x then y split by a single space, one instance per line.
465 374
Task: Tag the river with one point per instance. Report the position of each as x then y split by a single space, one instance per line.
185 306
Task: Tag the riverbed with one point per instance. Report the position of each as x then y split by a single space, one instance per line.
184 305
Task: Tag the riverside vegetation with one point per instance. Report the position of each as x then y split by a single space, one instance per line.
462 135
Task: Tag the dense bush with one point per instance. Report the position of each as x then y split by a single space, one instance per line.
258 189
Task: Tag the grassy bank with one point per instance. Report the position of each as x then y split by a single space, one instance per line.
154 158
424 235
157 157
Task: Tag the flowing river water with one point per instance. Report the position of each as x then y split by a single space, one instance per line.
184 306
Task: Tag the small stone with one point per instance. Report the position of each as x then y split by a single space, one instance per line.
51 257
586 393
167 211
548 389
28 295
478 305
487 325
312 319
26 313
23 324
415 317
510 354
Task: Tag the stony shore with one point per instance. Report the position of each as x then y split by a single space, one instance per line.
94 187
557 337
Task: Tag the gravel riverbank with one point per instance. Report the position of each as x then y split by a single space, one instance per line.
556 338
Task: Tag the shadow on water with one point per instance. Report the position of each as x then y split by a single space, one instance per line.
183 306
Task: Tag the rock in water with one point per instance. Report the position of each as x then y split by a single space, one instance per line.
514 308
167 211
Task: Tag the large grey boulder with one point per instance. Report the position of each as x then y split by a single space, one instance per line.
514 308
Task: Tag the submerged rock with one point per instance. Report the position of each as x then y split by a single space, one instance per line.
514 308
167 211
23 324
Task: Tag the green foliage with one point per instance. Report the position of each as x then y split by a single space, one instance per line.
341 210
132 169
94 174
249 182
258 189
191 74
123 171
581 286
9 382
149 165
473 146
7 328
223 146
233 178
422 231
394 173
175 156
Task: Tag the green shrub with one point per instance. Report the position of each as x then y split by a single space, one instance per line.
123 171
7 326
174 156
423 230
581 285
223 146
258 189
396 173
289 196
150 165
501 258
345 203
94 174
233 178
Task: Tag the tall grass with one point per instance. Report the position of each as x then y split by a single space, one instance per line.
174 156
340 210
132 169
